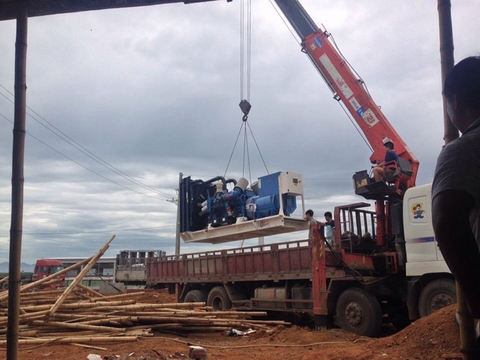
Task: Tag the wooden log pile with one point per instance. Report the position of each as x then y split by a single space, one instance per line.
81 316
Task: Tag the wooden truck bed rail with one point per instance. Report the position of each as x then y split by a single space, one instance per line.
281 261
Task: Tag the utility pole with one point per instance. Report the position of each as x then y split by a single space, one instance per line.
177 233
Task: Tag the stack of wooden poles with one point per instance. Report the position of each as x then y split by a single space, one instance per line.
79 315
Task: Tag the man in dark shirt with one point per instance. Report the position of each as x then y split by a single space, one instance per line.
386 166
456 184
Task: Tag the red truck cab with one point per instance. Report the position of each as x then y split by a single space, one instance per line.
47 267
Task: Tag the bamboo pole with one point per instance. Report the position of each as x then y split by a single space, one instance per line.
18 178
70 339
151 306
90 346
118 305
42 293
224 322
105 320
78 317
119 296
61 324
80 276
91 291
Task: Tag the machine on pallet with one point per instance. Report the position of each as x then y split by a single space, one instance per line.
221 210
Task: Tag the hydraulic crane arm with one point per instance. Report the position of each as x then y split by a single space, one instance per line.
346 87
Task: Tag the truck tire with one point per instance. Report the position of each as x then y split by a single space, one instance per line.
359 312
195 296
5 285
436 295
218 299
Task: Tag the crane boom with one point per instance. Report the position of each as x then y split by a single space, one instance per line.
347 88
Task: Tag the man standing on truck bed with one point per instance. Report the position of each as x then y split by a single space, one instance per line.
311 221
329 225
456 184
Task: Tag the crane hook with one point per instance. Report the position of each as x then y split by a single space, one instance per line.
245 107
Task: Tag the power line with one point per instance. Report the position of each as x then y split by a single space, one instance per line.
99 231
59 133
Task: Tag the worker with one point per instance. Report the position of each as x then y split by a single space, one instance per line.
329 225
387 166
456 184
309 217
311 221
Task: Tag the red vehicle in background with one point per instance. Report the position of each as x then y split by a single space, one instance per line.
43 268
46 267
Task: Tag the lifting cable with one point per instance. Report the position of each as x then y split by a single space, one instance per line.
245 75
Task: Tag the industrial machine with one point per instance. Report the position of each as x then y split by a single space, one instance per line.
211 212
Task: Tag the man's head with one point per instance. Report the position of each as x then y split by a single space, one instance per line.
388 144
328 216
309 215
462 91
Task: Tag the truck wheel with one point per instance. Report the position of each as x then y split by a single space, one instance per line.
436 295
5 285
218 299
195 296
359 312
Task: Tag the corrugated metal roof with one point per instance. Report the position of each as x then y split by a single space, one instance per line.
51 7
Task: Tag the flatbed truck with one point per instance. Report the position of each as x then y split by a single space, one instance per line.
357 282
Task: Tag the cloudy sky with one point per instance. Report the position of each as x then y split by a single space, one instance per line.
121 101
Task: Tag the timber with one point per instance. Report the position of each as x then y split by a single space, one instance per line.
81 316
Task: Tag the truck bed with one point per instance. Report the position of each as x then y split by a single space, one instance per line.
273 262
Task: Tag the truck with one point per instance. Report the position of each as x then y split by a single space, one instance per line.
130 266
43 268
384 263
46 267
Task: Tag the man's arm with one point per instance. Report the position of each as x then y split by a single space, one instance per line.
451 224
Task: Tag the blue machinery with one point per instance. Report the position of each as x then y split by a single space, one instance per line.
221 210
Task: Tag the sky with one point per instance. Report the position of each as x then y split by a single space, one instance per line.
121 101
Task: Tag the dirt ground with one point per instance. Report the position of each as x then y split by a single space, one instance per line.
433 337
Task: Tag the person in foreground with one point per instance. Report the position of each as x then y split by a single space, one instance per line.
456 184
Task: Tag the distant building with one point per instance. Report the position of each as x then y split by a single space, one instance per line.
101 272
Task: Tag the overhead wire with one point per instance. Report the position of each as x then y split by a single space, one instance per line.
81 165
63 136
98 231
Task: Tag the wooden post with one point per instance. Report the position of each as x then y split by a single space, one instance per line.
446 60
18 160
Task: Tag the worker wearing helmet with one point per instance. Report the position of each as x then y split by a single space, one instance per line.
387 165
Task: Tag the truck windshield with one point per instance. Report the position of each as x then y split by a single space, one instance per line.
55 269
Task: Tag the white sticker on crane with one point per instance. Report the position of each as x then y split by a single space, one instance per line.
367 115
337 78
